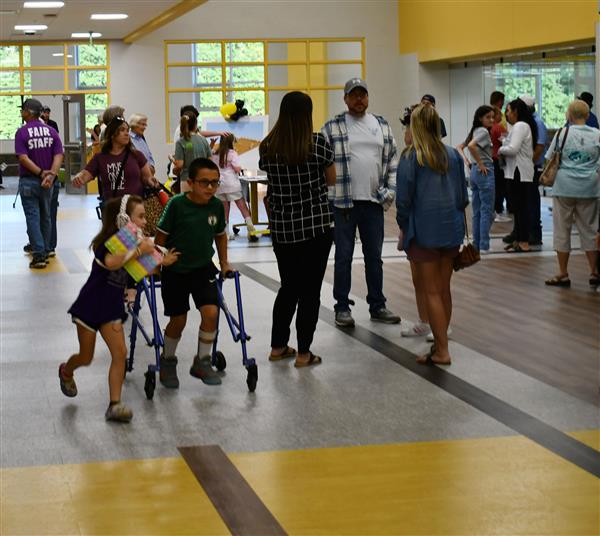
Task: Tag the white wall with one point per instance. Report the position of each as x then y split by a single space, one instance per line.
137 70
467 94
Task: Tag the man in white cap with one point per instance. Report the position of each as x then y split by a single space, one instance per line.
534 201
366 158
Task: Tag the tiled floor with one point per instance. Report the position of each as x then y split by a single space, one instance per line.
365 443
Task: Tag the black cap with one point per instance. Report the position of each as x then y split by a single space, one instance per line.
46 109
428 98
586 97
33 105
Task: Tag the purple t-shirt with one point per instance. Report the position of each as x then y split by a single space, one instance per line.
39 142
107 167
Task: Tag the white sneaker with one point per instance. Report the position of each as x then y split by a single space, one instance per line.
231 236
420 329
501 218
430 337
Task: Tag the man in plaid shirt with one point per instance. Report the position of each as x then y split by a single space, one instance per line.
366 158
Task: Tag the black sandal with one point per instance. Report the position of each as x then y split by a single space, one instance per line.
594 280
288 352
559 281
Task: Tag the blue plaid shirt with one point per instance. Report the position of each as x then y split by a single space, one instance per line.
336 133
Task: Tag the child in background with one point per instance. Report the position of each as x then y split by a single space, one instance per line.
190 146
481 165
231 187
99 306
190 223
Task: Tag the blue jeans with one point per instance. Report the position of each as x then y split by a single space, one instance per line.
53 214
36 206
368 217
484 192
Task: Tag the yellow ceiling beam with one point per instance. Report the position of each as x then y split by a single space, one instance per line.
174 12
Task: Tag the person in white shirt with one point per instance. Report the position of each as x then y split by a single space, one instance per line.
517 151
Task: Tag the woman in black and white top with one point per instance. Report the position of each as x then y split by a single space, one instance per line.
517 150
299 166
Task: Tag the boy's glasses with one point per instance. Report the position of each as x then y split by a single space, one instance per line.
206 184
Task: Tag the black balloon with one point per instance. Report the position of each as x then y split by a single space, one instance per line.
241 111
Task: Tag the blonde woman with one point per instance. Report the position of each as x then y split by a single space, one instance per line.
430 200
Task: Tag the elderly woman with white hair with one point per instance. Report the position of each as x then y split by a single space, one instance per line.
138 123
576 191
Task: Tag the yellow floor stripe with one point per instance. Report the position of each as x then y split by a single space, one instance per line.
159 496
471 487
15 263
590 437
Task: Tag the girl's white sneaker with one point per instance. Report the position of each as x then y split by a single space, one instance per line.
420 329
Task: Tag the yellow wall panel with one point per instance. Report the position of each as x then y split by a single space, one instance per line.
440 30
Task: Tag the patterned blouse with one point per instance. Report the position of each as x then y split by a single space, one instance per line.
298 205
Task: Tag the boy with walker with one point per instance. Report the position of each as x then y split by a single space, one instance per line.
189 224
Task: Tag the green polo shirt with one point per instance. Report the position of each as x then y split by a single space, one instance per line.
191 230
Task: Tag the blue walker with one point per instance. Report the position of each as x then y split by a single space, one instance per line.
147 287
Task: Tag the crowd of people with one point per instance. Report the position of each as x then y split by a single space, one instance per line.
323 187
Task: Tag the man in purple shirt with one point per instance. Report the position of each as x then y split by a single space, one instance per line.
40 153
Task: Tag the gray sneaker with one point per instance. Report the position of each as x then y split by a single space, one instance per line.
118 413
67 385
386 316
344 319
201 369
168 372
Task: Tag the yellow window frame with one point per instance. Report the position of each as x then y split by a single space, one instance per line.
309 87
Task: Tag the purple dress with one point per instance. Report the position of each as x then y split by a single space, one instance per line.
101 299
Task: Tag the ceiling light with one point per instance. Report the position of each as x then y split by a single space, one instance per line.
60 55
109 16
40 5
85 35
30 27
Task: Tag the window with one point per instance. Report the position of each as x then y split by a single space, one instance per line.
52 69
209 74
554 82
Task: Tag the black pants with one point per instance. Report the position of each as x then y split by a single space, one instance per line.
535 215
521 194
301 270
500 184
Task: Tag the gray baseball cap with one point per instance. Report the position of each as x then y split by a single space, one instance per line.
354 83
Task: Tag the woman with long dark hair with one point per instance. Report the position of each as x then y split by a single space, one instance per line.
517 150
481 165
299 166
120 168
431 197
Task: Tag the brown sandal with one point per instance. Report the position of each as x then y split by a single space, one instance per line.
288 352
312 360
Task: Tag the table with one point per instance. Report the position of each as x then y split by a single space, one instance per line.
253 181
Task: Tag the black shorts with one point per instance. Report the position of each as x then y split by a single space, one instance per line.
176 289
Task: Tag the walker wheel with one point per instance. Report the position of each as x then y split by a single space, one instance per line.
150 384
220 362
252 238
252 378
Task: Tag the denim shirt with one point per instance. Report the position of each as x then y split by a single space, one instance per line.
141 145
429 206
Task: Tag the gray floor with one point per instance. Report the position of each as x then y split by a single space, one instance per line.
358 396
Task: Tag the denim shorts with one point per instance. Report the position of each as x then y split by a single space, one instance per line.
417 253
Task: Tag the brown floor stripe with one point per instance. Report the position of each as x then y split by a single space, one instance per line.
241 509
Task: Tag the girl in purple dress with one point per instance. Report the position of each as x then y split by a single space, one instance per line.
100 304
